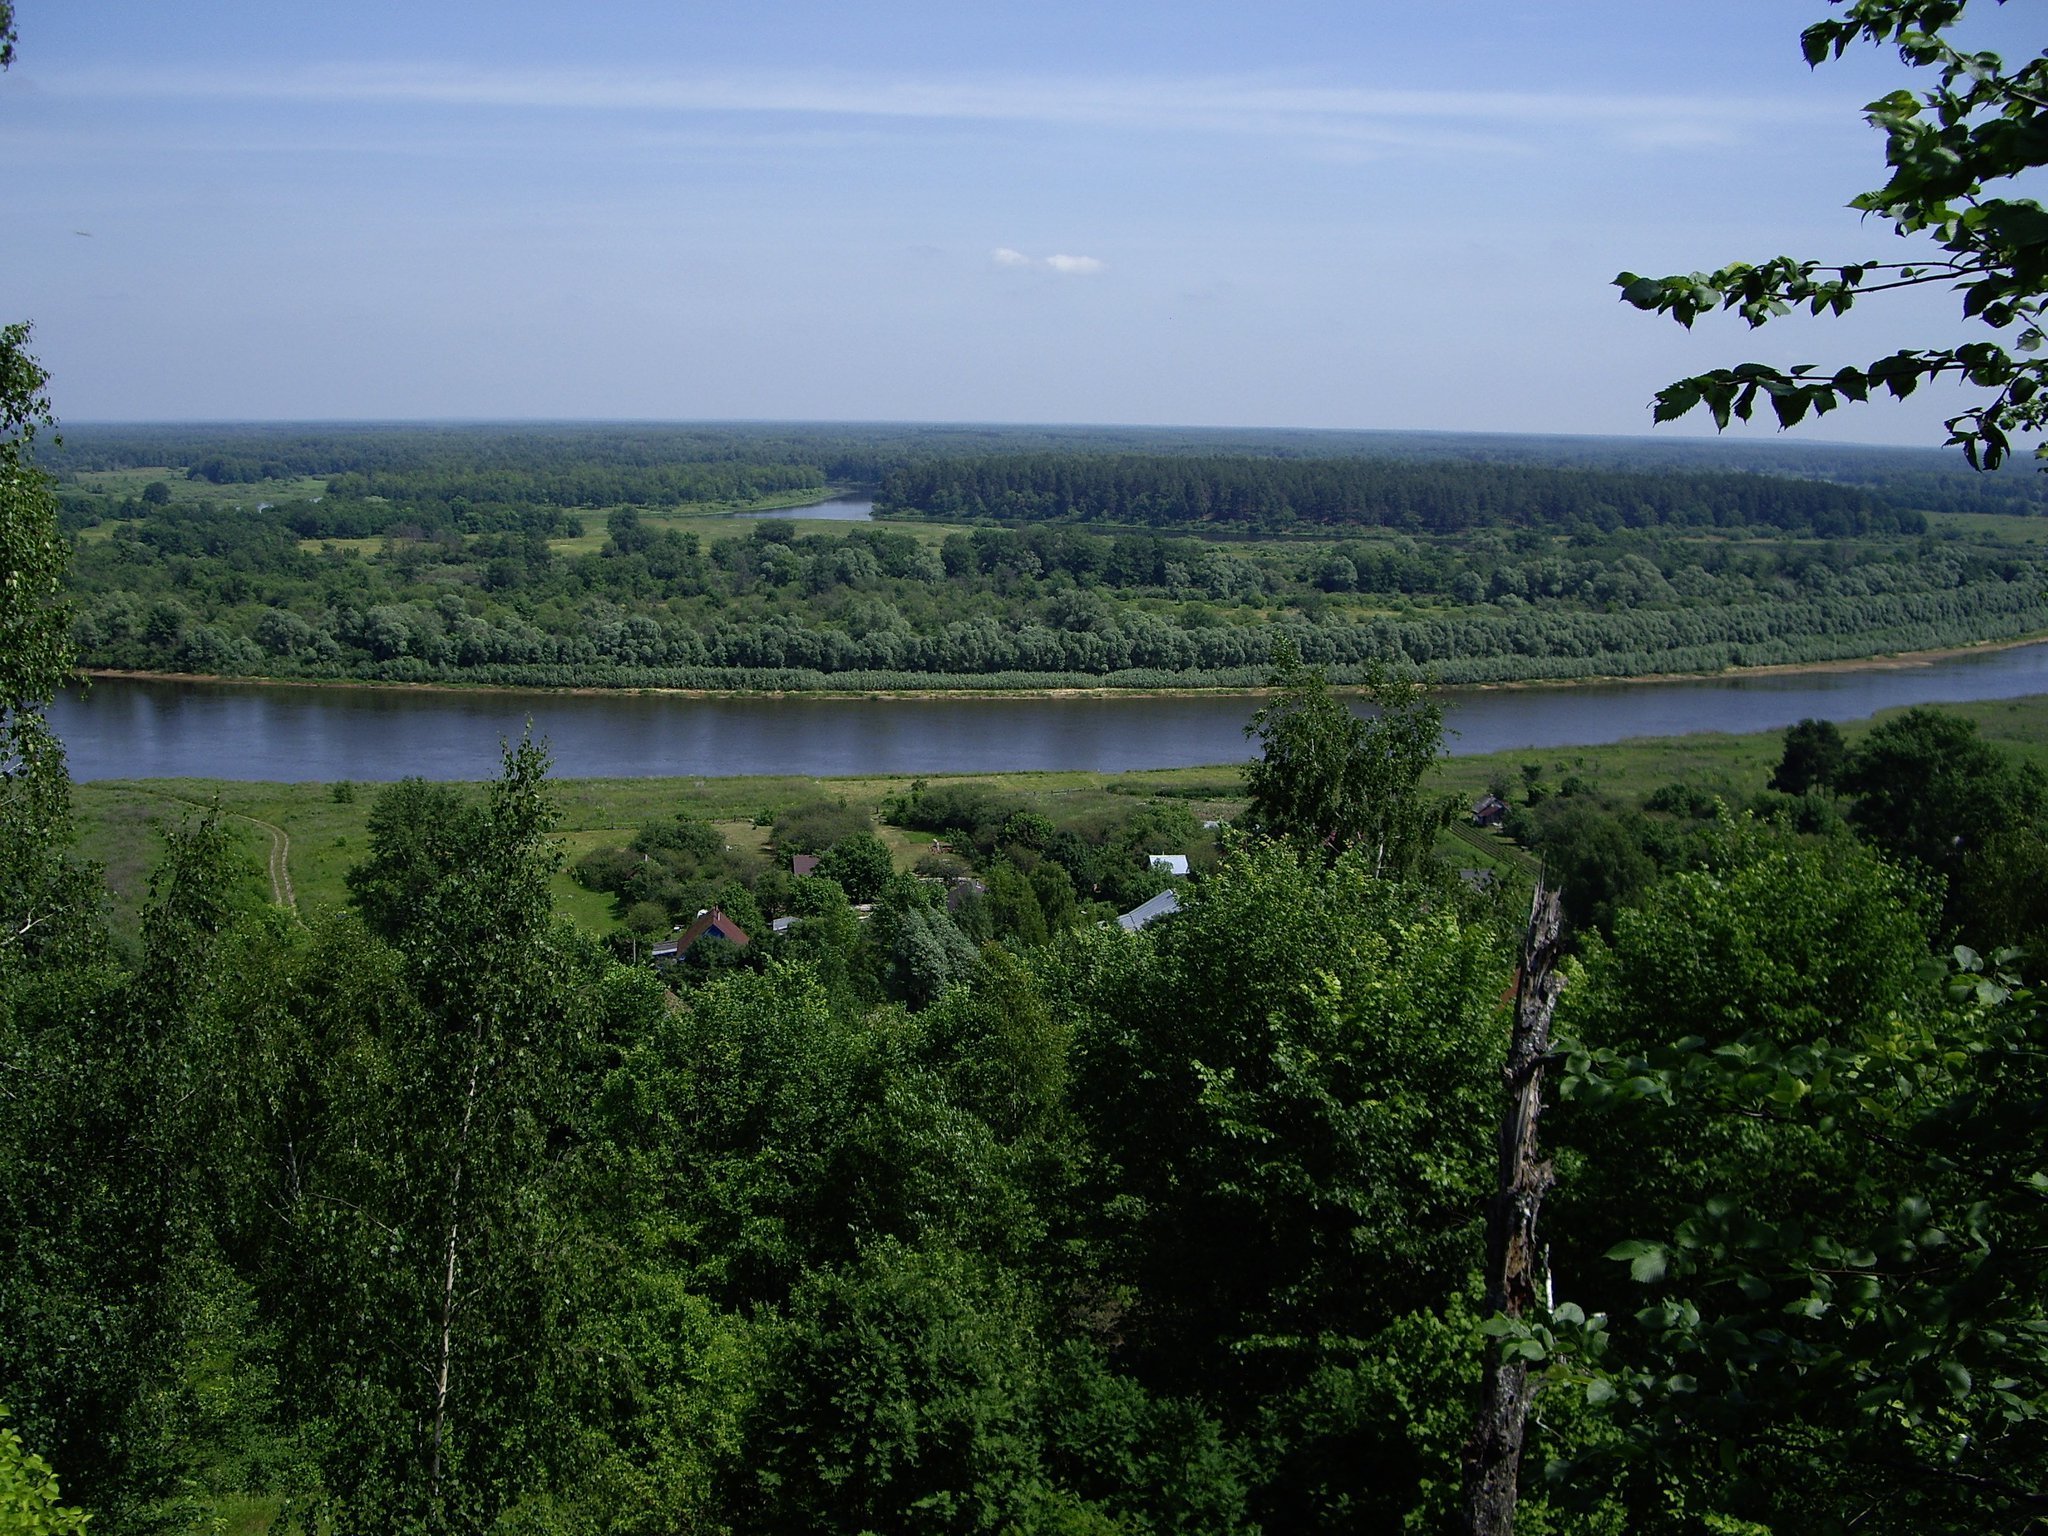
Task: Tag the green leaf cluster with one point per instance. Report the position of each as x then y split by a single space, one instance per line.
1981 125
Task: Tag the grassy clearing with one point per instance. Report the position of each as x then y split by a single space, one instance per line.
1470 847
100 532
130 482
245 1514
123 831
1990 525
589 910
706 522
716 520
120 822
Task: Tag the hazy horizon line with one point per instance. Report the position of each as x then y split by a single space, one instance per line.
1681 438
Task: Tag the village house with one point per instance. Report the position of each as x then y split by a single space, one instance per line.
1162 905
711 923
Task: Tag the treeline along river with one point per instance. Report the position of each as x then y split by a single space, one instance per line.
166 729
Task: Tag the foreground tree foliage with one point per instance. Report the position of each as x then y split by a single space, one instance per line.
41 899
28 1493
455 1223
1330 780
1805 1200
423 1222
1954 150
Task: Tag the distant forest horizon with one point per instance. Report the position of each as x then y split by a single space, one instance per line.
858 453
611 556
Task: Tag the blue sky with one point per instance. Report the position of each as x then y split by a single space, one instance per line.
1293 213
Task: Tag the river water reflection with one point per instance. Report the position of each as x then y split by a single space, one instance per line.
151 729
840 509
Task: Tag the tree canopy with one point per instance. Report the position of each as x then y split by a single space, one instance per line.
1331 780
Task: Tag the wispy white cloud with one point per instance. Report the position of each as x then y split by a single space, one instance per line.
1063 264
1224 105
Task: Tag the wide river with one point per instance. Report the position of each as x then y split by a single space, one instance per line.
150 729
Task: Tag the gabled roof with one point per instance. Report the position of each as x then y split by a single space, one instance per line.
1159 906
711 923
803 863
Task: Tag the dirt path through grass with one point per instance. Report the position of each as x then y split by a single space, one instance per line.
279 864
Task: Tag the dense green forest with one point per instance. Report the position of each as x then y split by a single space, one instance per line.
394 453
985 1214
609 558
1281 495
430 1213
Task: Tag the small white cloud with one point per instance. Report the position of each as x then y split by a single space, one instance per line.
1066 266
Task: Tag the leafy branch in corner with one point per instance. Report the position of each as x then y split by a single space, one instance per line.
1982 125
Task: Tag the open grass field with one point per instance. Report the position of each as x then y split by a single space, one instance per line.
129 482
121 822
1991 525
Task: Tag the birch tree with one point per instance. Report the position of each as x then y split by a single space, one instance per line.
431 1254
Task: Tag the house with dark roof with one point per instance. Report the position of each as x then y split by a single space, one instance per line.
1490 812
803 864
711 923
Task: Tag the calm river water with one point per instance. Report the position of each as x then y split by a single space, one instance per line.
130 729
840 509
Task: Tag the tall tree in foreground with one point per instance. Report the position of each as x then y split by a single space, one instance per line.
1954 150
70 1361
38 899
423 1275
1289 1092
35 655
1329 780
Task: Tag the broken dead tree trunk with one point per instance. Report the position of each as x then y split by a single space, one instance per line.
1513 1259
